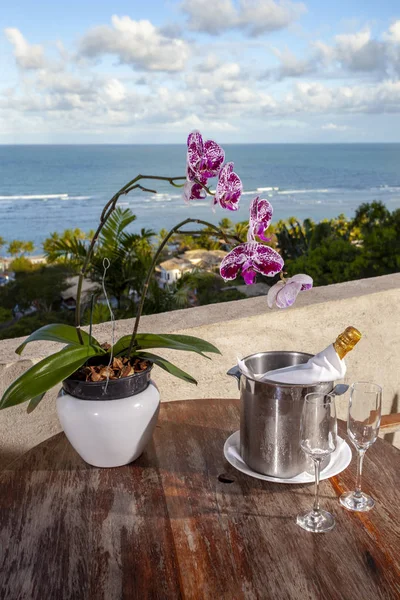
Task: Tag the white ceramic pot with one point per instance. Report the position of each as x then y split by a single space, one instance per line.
109 433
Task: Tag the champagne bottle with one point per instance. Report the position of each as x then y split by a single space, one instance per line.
346 341
327 365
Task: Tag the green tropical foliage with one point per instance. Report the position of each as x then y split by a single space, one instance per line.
186 343
343 250
26 325
55 368
293 237
18 247
57 333
129 255
40 287
99 314
69 237
167 366
47 373
22 264
5 314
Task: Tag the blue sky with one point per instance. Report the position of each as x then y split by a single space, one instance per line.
247 71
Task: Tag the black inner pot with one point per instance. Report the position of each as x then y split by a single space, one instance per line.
99 390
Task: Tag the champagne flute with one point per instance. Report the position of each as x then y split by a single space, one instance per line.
363 422
318 434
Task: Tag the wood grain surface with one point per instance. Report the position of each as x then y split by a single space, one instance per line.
180 522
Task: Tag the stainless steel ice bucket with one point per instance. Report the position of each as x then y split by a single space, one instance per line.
270 415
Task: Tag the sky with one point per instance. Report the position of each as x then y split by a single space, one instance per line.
240 71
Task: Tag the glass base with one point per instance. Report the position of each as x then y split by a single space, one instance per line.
317 522
360 502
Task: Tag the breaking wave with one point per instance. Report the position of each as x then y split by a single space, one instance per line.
45 197
317 191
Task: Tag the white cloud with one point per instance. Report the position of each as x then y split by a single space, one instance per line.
317 98
324 53
226 92
210 93
63 82
223 15
210 64
115 91
350 54
334 127
136 43
259 16
28 56
254 17
392 39
358 52
291 65
82 102
393 33
193 121
225 76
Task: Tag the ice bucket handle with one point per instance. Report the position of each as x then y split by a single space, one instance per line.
338 390
235 372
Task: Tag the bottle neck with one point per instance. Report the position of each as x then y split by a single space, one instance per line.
346 341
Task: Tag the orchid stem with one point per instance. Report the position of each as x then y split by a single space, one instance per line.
205 187
154 264
105 215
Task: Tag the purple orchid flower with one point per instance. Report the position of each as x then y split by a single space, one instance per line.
260 218
204 159
229 188
284 293
194 191
251 258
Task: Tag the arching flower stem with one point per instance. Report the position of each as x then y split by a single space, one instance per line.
153 265
105 215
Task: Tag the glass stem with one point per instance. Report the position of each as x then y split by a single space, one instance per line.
360 459
317 467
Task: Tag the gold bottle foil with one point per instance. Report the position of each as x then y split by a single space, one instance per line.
346 341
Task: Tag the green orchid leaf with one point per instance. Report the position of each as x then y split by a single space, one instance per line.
47 373
57 332
167 366
34 402
187 343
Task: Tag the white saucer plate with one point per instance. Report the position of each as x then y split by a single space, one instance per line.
339 460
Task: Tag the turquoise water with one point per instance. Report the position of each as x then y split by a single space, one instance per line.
51 188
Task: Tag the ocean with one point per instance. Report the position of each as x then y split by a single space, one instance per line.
51 188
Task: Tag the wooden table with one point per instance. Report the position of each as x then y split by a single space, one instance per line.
181 523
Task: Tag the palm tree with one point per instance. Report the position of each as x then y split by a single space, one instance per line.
294 237
127 256
55 247
225 225
240 230
18 248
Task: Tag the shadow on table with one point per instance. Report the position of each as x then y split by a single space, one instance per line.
54 454
7 456
389 437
